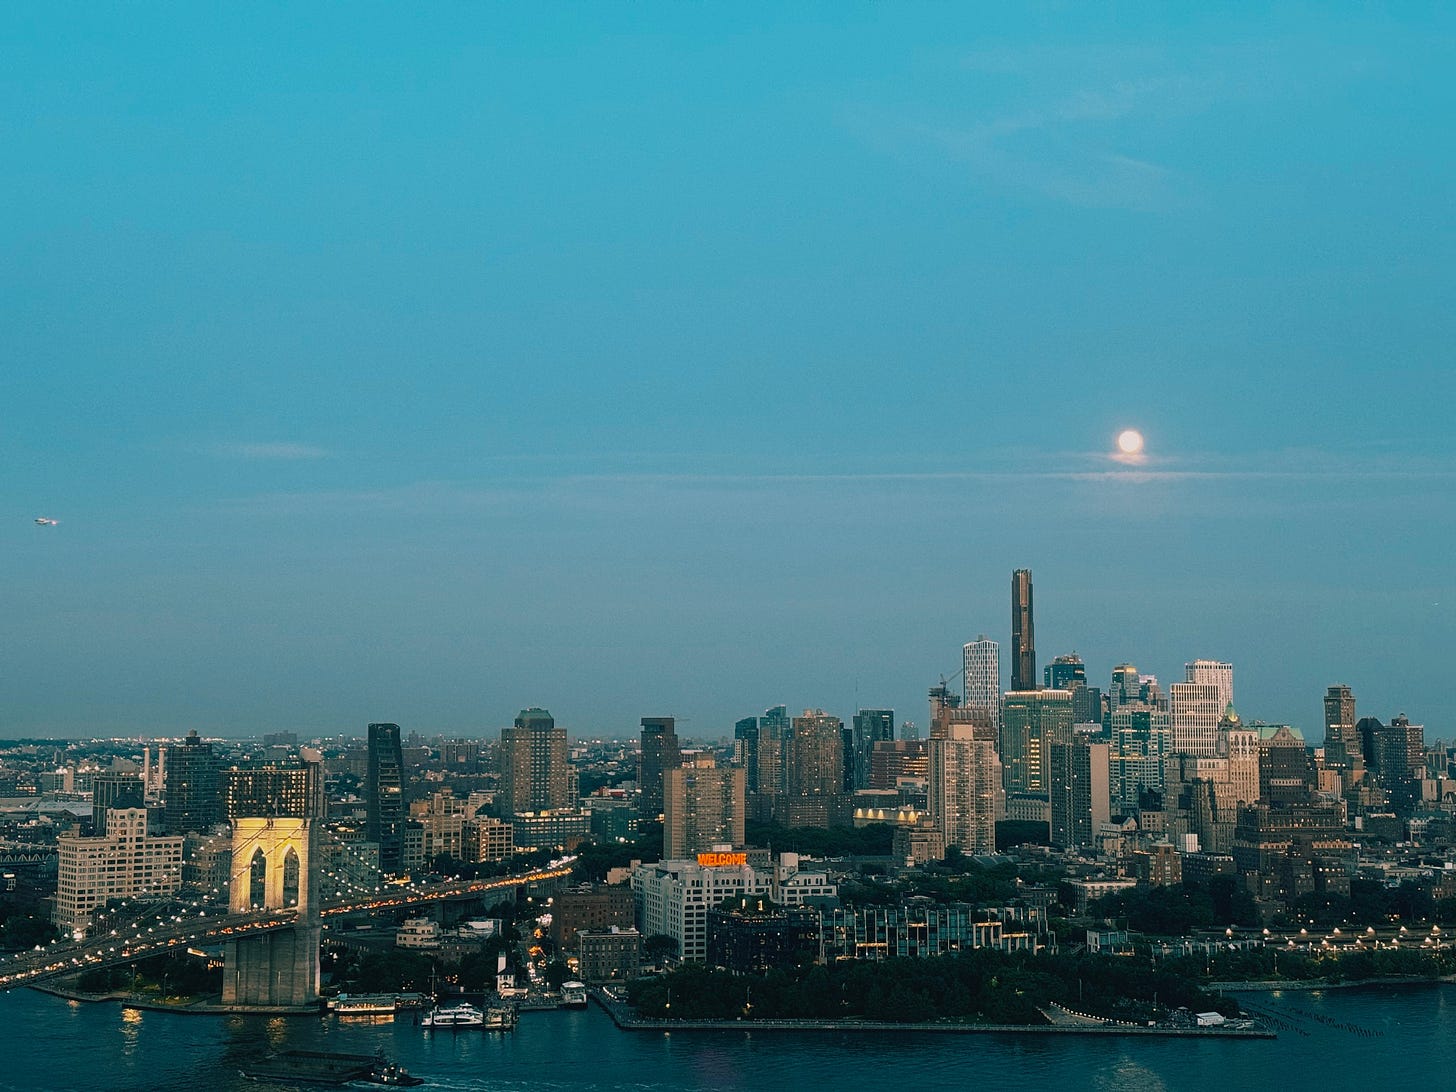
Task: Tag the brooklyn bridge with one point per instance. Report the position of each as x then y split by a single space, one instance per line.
278 900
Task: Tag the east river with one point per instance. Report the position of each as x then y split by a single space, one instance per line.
1371 1037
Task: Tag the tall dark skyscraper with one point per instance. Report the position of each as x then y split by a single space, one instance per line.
659 754
193 800
1066 673
871 726
384 796
745 748
1340 719
1023 640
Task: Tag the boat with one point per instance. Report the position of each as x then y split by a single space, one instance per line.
573 995
363 1004
500 1018
327 1068
460 1015
391 1075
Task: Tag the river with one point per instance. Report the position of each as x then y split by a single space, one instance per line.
1331 1040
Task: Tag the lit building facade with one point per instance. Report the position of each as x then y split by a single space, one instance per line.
1213 673
1194 710
1031 721
966 795
981 660
674 897
704 807
534 773
124 862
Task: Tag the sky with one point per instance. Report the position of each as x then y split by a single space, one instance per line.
423 365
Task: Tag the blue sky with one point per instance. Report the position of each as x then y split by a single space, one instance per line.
692 359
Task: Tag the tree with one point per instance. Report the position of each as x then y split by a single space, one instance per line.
659 947
557 972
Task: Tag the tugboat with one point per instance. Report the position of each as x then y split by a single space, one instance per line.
390 1074
326 1067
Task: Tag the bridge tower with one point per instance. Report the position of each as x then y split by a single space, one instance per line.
278 969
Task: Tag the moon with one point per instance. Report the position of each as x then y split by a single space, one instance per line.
1130 441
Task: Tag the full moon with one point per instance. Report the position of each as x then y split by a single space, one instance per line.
1130 441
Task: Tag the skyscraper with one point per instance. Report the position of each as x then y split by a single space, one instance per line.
534 769
1215 673
1065 673
767 777
745 749
1032 720
1287 772
966 797
193 801
1141 740
659 754
1194 710
871 726
384 797
982 661
703 806
814 755
1081 794
1124 688
1340 719
1023 639
1399 758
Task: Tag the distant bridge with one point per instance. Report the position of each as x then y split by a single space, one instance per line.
209 927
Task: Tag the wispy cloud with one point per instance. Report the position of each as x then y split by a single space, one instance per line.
1095 470
283 450
1067 149
1079 125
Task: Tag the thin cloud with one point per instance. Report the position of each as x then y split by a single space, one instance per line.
283 450
427 499
1067 119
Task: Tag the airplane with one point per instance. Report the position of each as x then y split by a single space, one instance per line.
42 521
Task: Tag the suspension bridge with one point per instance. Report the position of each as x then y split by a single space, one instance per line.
270 929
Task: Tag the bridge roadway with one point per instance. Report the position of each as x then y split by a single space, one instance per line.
208 927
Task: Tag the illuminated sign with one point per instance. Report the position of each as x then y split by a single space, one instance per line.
722 860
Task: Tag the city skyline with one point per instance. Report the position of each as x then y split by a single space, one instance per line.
364 368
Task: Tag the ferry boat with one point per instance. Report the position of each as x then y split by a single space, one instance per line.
454 1017
363 1004
573 995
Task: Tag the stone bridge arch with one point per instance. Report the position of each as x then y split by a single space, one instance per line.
277 970
274 839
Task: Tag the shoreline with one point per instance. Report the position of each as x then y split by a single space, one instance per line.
190 1008
620 1016
1274 985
